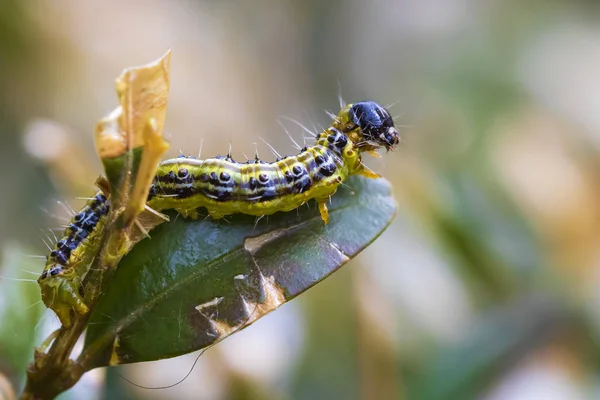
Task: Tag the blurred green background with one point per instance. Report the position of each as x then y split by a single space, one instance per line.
484 287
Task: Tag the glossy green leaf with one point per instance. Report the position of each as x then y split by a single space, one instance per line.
195 282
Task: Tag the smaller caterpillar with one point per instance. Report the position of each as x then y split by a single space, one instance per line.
224 186
69 261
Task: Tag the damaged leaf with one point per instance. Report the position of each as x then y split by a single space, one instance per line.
193 283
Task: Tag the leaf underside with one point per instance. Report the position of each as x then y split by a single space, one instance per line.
195 282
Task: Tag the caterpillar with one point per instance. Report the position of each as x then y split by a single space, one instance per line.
69 261
223 186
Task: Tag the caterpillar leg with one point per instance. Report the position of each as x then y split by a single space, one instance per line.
323 210
216 215
185 213
195 215
61 294
368 173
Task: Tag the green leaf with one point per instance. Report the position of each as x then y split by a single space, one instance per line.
20 311
115 167
196 282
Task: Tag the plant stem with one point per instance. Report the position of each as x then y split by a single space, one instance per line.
53 372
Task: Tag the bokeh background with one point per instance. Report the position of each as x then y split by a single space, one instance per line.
486 286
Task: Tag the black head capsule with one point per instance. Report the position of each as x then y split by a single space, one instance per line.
375 123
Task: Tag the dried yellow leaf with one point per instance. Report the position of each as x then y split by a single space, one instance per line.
142 93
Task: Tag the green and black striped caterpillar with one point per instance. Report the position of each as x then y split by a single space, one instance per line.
69 261
223 186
